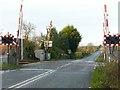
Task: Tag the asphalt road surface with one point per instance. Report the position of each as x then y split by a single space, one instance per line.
52 74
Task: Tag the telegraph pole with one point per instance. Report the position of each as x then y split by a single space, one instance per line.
8 51
21 29
48 39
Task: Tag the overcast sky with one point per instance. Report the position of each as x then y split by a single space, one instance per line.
85 15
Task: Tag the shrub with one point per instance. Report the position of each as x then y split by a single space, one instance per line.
111 71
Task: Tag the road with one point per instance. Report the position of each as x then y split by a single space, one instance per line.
52 74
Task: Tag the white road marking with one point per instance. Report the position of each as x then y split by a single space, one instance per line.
89 61
63 66
6 71
78 61
28 69
23 83
36 79
1 72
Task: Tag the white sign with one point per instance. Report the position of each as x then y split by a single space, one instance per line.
50 44
47 43
40 54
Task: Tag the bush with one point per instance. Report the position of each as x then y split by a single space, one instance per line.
85 51
55 53
29 48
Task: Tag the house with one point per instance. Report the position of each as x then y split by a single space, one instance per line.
3 49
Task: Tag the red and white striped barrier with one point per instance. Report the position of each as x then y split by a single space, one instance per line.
105 24
20 20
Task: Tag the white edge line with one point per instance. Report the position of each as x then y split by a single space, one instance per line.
34 69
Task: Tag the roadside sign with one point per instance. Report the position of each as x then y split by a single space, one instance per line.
50 44
111 40
47 43
7 39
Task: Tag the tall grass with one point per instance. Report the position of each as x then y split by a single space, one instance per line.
100 58
106 76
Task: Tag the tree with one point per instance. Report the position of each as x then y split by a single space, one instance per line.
28 29
39 40
64 42
29 47
54 37
54 50
42 39
69 38
90 44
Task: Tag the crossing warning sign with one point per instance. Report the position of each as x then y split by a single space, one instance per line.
111 40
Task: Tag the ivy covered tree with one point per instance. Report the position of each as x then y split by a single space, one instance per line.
54 37
54 50
69 38
29 47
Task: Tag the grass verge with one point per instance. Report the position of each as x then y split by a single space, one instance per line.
106 76
9 66
98 78
100 58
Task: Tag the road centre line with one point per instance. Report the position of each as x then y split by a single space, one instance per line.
63 66
23 83
36 79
